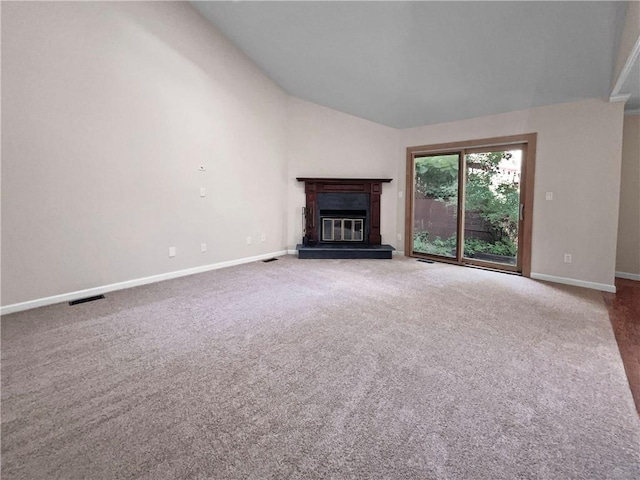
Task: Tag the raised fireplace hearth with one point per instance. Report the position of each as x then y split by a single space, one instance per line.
341 218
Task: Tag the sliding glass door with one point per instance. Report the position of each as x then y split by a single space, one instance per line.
468 204
435 211
492 206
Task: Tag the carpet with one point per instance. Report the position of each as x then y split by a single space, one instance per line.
320 369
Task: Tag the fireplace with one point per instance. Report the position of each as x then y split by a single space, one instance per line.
341 218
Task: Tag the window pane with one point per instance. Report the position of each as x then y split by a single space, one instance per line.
435 211
327 229
348 227
337 230
357 234
492 206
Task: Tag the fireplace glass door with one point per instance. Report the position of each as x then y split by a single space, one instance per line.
342 229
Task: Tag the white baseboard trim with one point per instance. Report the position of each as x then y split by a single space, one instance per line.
628 276
576 283
398 252
89 292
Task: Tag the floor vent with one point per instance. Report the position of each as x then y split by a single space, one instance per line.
270 260
423 260
85 300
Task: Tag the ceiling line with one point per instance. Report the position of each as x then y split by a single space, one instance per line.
626 71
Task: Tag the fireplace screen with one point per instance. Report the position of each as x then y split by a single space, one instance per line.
342 229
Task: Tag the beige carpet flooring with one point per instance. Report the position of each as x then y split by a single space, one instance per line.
320 369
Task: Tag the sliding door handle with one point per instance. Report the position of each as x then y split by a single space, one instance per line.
521 211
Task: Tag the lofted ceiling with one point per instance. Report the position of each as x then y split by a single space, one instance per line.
406 64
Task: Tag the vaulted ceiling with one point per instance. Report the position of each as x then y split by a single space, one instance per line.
405 64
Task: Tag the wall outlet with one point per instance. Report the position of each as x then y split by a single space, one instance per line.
203 247
202 168
567 258
248 240
549 196
399 236
202 192
263 237
172 252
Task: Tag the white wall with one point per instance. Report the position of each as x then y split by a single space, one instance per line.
578 159
325 143
628 255
107 111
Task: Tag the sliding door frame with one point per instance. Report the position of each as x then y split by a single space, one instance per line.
528 144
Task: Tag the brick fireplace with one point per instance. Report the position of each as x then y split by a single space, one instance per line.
342 218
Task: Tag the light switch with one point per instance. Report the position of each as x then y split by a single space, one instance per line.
549 196
202 191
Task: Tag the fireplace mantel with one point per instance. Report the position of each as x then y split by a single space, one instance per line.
315 186
343 180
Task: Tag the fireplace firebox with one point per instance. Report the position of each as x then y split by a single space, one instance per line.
342 218
334 229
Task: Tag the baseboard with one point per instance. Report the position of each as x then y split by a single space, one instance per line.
576 283
66 297
628 276
397 252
